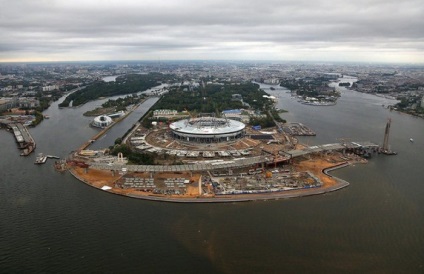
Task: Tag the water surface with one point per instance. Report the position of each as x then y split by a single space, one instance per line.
50 222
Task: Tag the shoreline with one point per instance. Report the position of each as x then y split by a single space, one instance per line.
287 194
107 180
104 130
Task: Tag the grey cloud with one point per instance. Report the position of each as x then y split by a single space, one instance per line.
123 27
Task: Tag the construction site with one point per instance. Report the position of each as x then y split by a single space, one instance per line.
258 165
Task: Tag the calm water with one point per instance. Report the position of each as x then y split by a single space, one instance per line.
50 222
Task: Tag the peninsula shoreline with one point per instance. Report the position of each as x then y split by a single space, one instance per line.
288 194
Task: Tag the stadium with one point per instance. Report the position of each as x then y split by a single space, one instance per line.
207 130
102 121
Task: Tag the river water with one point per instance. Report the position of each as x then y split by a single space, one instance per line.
51 222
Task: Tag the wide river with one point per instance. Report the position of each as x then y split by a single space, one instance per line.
51 222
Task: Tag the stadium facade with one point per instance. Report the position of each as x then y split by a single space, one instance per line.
207 130
102 121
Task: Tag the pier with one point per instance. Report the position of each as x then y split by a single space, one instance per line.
23 138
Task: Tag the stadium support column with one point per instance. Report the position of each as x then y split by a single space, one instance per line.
200 185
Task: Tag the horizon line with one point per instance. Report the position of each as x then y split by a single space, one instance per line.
211 60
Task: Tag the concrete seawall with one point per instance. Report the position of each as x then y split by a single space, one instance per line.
103 131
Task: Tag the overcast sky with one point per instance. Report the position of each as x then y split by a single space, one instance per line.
300 30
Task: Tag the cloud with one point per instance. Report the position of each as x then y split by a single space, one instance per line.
185 29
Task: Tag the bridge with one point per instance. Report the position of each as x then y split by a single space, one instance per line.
330 147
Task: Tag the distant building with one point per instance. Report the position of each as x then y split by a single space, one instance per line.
272 81
422 102
331 76
8 88
236 97
234 114
164 113
6 103
232 111
25 102
50 88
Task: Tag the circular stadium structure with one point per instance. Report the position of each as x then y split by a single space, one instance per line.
207 130
102 121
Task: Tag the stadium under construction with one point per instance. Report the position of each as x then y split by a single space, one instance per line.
207 129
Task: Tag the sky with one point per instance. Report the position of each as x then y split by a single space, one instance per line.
279 30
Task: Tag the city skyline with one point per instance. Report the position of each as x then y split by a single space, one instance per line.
363 31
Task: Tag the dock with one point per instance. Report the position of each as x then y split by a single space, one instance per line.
41 158
23 138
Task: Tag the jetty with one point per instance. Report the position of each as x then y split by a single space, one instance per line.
41 158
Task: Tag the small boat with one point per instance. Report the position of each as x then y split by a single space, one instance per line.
411 140
41 159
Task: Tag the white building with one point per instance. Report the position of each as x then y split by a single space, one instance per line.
50 88
102 121
164 113
207 130
272 81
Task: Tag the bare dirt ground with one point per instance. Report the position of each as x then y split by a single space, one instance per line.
99 178
315 165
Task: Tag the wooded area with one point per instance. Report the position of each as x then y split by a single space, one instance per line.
126 84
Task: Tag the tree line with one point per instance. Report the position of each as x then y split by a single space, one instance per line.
214 98
126 84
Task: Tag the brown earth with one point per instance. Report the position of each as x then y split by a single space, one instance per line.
99 178
315 164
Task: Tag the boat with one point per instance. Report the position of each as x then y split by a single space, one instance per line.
411 140
41 159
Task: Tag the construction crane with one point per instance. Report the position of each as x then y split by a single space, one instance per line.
189 113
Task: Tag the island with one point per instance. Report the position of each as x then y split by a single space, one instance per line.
217 142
